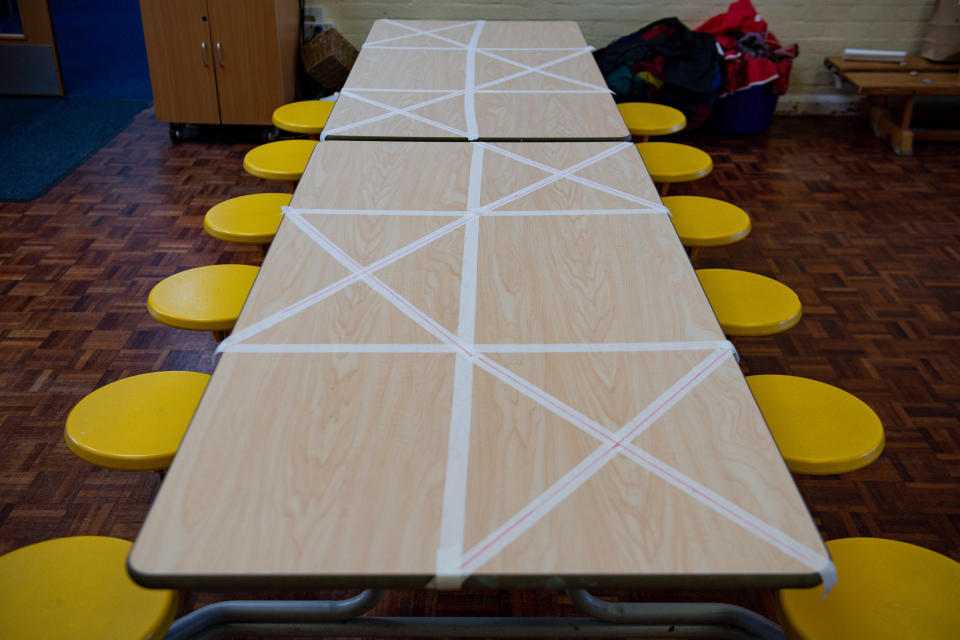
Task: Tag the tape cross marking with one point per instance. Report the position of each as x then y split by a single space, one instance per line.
470 88
406 111
469 355
305 303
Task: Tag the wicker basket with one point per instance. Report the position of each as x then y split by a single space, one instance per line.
328 58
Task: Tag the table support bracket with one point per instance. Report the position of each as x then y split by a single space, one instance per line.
698 613
200 623
341 618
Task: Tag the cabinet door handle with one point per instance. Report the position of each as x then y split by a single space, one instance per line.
219 55
203 53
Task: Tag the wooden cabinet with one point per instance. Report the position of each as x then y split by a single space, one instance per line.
221 61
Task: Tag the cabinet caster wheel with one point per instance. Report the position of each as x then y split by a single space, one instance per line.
270 134
176 133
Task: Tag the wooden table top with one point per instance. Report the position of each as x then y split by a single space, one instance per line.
476 80
905 84
481 365
912 63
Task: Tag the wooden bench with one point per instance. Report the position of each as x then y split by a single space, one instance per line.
878 81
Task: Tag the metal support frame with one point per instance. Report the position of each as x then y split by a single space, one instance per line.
341 618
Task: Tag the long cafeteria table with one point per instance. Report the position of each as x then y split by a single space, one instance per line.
482 364
475 80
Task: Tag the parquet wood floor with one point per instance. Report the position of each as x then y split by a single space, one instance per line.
870 240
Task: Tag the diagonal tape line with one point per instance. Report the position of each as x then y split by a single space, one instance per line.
300 305
406 112
453 94
498 539
366 276
556 175
725 507
308 301
486 52
584 181
549 74
418 32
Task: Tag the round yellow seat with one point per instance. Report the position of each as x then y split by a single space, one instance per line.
707 222
250 219
135 423
204 299
281 160
306 116
887 590
748 304
672 162
651 119
78 589
819 428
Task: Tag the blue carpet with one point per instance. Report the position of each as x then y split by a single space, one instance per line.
43 141
101 48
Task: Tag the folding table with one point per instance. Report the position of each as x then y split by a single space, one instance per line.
475 80
477 365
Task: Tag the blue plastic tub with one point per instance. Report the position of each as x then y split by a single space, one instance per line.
747 111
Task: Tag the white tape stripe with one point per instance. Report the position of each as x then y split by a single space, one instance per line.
453 520
579 212
498 212
433 32
605 347
540 506
550 74
416 32
405 112
340 348
669 398
578 179
305 303
375 212
453 94
726 508
547 401
470 75
404 305
457 91
461 47
539 69
557 175
365 347
542 91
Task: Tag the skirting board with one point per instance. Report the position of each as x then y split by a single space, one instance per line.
817 104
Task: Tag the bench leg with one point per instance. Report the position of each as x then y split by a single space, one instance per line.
899 133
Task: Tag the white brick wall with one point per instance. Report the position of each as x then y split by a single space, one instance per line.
820 27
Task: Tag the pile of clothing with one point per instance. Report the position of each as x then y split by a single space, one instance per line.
667 63
752 55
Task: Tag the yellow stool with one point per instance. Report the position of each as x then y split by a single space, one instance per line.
135 423
306 116
282 160
78 589
748 304
706 222
647 119
250 219
669 162
202 299
819 428
887 590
